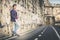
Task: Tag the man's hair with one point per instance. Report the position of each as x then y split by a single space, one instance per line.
14 5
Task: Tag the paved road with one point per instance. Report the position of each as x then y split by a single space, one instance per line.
48 33
57 27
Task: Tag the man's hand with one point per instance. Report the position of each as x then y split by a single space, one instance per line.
16 17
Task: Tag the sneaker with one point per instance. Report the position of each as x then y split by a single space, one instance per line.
13 33
17 35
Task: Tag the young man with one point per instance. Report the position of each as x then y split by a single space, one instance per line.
14 17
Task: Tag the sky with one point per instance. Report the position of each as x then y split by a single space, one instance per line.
55 1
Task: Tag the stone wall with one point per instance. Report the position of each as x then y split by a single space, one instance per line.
29 16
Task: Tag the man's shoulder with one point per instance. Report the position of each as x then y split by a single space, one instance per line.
11 10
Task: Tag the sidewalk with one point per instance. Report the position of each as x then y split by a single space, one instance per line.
31 30
28 34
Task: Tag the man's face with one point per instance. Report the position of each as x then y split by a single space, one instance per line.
15 7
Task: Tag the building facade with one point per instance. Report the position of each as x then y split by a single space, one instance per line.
56 12
52 10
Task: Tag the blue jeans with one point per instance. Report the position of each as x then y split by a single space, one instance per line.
16 26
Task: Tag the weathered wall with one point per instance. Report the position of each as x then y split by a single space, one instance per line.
29 16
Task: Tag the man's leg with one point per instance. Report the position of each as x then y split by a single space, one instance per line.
15 28
12 28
